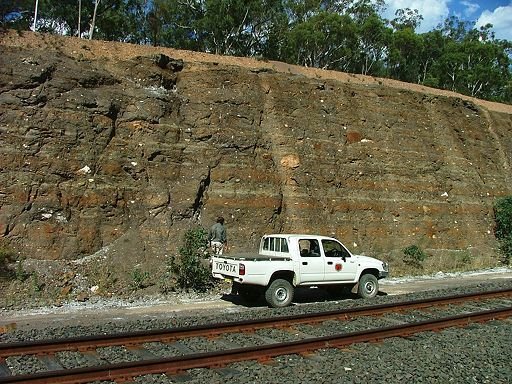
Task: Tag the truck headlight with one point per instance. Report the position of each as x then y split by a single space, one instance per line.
385 266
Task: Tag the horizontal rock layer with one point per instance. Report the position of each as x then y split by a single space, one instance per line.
113 146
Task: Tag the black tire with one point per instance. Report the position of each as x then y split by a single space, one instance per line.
279 293
368 286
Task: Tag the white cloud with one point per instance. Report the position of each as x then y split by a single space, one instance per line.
470 8
501 19
434 12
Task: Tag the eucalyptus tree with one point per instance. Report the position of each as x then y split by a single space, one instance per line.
115 19
121 20
374 38
327 40
478 65
231 27
237 27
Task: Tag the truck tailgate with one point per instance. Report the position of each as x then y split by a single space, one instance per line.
225 267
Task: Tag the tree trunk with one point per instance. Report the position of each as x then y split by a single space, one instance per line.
93 19
35 15
79 17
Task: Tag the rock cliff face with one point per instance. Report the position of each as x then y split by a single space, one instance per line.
120 148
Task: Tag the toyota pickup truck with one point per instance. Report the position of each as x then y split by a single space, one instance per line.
286 261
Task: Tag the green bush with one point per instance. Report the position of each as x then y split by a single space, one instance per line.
6 256
139 279
506 249
19 273
190 268
503 217
414 256
503 229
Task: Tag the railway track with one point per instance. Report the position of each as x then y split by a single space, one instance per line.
436 314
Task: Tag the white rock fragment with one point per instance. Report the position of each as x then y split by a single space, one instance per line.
85 170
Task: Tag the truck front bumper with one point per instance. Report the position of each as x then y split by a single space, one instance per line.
383 274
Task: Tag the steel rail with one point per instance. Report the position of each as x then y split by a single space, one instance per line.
175 365
137 338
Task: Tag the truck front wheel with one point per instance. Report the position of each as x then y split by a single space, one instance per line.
279 293
368 286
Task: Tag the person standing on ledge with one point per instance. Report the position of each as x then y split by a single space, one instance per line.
217 236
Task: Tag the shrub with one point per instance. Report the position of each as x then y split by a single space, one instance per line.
190 267
503 217
20 274
414 256
503 228
6 256
139 279
506 249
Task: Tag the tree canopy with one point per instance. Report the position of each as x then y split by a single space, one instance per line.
343 35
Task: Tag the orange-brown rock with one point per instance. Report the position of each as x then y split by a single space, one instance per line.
121 148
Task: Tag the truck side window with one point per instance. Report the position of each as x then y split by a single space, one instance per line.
334 249
265 244
275 244
278 244
284 245
309 248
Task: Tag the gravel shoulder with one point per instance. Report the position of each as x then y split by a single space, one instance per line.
479 353
190 304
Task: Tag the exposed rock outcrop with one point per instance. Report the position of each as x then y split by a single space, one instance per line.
108 145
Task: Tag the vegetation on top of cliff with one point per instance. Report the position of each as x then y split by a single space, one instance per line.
503 229
348 36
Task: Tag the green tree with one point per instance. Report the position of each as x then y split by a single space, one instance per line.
475 64
327 41
406 19
434 47
237 27
374 38
404 58
173 23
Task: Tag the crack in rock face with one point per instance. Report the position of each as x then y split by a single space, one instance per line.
106 144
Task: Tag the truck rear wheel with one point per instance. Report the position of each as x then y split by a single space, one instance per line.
279 293
368 286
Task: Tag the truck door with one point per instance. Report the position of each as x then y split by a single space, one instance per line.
339 263
311 262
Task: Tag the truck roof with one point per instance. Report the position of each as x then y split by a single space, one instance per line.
301 235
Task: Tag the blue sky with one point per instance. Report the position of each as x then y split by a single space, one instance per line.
496 12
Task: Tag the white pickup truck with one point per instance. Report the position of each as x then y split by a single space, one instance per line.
286 261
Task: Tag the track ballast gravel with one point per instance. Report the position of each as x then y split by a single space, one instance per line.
479 353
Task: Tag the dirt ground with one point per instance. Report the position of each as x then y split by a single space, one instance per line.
101 312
